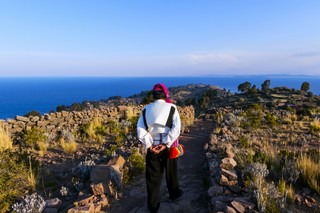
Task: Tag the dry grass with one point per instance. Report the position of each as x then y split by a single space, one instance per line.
95 124
31 177
310 172
43 147
315 125
68 147
5 139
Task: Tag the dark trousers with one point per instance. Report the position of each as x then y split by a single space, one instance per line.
155 166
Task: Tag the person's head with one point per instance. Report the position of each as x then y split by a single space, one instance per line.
160 91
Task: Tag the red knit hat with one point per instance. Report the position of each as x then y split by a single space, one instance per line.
159 87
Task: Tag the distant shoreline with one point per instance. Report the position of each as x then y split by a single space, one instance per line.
21 95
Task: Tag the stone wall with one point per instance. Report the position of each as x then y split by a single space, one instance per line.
71 120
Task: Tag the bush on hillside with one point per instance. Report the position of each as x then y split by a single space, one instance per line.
34 136
33 113
14 178
253 116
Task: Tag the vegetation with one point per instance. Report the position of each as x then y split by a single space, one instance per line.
5 139
34 136
315 125
69 147
310 172
244 87
16 178
305 87
33 113
265 86
137 164
93 131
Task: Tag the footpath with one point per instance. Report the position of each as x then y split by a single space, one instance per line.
193 174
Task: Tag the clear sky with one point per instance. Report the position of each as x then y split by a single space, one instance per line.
159 37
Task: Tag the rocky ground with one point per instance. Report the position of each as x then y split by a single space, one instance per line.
192 177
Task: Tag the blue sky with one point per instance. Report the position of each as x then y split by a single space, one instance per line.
159 37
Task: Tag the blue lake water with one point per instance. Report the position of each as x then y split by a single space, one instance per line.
19 96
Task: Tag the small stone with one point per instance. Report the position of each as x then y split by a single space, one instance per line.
228 163
237 205
223 180
54 203
229 209
230 174
244 202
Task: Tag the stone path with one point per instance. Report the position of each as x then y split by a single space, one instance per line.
192 176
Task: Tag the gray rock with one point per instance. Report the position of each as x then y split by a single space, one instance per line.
219 206
215 190
54 203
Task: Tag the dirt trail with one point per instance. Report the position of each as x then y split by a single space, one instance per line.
192 173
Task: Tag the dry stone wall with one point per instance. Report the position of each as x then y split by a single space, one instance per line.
71 120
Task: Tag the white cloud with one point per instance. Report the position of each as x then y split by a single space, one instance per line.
213 58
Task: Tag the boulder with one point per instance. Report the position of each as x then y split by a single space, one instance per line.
100 173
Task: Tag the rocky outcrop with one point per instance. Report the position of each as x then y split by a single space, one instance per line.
106 181
225 193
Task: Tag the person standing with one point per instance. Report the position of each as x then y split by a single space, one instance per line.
158 127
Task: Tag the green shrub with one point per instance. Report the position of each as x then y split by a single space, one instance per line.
33 113
271 120
253 116
137 164
116 130
244 142
34 136
260 157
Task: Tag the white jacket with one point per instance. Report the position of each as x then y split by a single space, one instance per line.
157 114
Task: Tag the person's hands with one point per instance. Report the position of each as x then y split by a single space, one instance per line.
153 149
158 148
